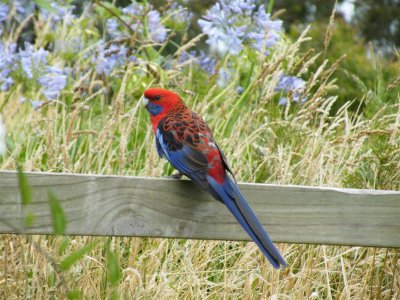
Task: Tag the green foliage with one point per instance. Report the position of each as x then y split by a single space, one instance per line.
357 76
24 187
75 256
66 241
57 214
26 197
373 20
45 4
74 294
29 219
113 268
377 21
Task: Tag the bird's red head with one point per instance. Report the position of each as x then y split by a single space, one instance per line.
164 99
159 102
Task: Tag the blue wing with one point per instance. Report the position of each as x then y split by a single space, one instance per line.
159 148
187 160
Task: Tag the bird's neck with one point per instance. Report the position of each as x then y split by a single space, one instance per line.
155 120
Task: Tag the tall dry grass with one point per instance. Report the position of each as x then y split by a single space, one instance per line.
264 142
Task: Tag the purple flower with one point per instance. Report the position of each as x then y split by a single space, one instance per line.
32 61
232 24
110 58
112 28
180 14
8 59
6 84
24 8
273 28
185 56
229 40
58 12
224 76
52 79
157 31
272 38
242 7
116 31
293 85
56 70
4 11
290 83
133 9
207 63
36 103
283 101
53 82
223 36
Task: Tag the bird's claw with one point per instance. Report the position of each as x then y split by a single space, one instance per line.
176 176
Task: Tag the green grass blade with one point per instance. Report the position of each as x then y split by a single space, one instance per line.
75 256
113 267
45 4
57 213
24 187
74 294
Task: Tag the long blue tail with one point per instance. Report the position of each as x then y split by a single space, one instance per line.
230 195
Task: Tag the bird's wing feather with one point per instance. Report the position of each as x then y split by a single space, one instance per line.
225 163
159 148
180 147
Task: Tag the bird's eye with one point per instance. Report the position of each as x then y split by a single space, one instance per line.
158 97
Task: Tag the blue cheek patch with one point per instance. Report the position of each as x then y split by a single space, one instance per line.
154 109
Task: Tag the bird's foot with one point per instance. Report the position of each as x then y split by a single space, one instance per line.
176 176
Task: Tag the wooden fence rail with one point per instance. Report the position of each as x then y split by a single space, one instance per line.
160 207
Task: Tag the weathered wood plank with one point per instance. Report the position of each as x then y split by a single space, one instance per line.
158 207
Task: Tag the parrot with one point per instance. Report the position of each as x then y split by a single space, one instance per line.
186 141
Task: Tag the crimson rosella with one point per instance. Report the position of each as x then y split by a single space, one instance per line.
186 141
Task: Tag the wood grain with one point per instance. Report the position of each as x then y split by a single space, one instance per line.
159 207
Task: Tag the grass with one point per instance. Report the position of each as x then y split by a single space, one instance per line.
100 128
